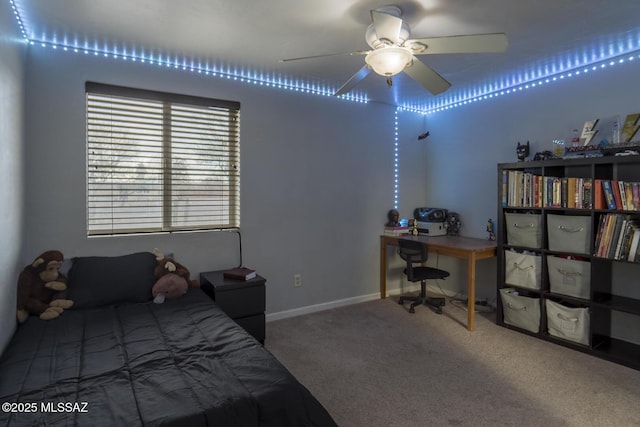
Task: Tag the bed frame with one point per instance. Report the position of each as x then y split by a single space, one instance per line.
116 360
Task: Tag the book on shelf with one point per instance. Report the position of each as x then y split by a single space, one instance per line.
525 189
587 193
580 193
610 234
620 232
624 239
548 191
572 194
617 195
607 189
556 200
623 197
240 273
505 188
598 195
633 248
615 237
599 234
628 195
627 239
605 231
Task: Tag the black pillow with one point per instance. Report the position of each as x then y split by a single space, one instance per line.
96 281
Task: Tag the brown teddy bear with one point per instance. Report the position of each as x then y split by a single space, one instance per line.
42 288
172 279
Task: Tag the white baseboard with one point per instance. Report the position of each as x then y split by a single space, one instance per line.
319 307
334 304
432 289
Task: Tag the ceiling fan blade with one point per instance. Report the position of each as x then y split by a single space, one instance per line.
387 26
476 43
353 81
358 52
427 77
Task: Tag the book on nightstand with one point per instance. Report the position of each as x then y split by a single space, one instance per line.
239 273
397 231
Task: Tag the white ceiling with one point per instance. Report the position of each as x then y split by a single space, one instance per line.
544 35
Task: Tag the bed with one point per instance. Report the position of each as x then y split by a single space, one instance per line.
117 358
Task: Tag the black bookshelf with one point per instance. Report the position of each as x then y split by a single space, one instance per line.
610 292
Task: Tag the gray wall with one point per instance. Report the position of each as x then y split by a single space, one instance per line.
467 143
316 179
317 172
12 190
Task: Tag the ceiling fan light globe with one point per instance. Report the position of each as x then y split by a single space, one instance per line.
388 61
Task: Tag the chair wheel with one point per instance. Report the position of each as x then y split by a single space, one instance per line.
412 310
400 301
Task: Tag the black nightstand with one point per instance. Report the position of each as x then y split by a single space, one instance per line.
242 300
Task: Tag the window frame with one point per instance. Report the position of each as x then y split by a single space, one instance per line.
165 170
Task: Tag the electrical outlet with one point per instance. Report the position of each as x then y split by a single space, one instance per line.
297 280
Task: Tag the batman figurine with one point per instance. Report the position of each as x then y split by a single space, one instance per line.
522 151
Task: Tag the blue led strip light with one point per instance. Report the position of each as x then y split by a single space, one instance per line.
16 13
250 77
395 159
599 57
133 55
447 103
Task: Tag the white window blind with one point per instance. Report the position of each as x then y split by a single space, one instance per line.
160 162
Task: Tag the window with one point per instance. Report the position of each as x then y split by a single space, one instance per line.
160 162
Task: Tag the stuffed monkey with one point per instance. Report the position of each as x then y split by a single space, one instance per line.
42 288
172 279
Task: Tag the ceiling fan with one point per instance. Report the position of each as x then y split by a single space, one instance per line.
393 52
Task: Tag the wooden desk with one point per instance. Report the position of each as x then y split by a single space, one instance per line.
469 248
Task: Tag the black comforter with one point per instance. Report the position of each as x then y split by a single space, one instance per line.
183 362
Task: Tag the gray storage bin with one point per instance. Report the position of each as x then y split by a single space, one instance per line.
520 311
569 233
569 276
522 270
523 229
568 323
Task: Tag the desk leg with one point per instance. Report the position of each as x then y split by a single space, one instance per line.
471 292
383 269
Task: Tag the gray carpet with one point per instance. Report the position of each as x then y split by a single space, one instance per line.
374 364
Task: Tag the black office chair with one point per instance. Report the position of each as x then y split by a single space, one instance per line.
414 252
